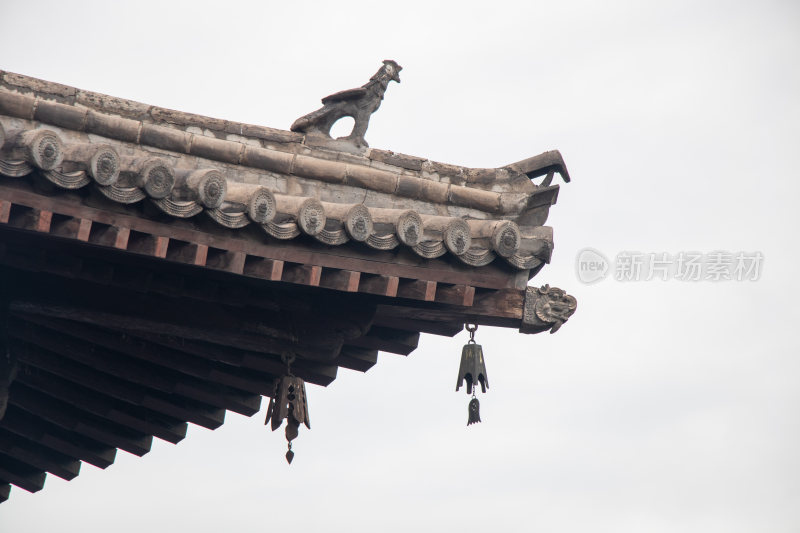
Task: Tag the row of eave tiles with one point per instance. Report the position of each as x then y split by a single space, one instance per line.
185 194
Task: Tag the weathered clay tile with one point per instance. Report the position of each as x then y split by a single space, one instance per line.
123 129
468 197
211 148
311 167
63 115
377 180
17 105
165 138
267 159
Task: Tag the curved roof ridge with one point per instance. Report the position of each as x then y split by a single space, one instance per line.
277 139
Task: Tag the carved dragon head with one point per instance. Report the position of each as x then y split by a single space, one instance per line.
554 306
546 308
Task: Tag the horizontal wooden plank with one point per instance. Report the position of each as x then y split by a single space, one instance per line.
446 329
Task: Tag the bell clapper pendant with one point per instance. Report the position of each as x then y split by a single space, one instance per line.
290 453
472 371
474 410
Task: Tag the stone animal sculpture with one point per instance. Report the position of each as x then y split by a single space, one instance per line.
357 103
554 306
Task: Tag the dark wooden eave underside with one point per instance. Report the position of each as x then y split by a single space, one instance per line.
122 333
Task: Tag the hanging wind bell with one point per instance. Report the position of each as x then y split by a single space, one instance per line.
473 371
288 401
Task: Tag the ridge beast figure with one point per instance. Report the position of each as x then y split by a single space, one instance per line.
357 103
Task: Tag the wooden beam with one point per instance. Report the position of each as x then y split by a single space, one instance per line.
340 280
225 260
169 409
206 370
187 252
70 265
20 474
75 420
302 274
417 289
5 211
388 340
102 406
497 300
259 267
146 244
29 259
200 380
253 363
128 275
492 308
58 439
446 329
84 230
355 358
34 454
194 326
70 227
131 278
30 218
380 285
107 235
99 273
88 351
462 295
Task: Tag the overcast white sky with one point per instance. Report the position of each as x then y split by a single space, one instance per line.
660 406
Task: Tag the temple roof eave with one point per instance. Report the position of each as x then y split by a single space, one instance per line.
284 164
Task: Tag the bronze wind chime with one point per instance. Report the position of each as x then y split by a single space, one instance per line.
288 401
472 371
289 395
